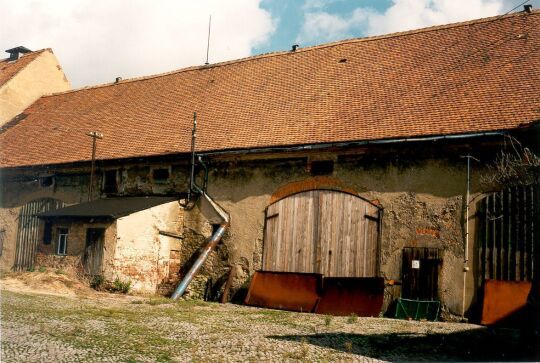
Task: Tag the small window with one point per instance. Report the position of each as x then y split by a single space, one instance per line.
110 183
160 175
46 181
61 247
322 167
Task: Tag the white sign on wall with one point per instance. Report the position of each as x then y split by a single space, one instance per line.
415 263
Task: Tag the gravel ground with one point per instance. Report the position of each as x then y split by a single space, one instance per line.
111 328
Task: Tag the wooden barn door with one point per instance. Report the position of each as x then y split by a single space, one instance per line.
322 231
28 231
93 252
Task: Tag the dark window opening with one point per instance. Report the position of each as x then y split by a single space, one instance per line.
322 167
110 184
160 174
46 181
47 234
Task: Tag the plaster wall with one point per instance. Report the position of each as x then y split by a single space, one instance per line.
142 255
423 207
40 77
423 204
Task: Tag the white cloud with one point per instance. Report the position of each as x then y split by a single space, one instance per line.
320 26
98 40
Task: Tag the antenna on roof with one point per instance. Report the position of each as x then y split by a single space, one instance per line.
208 42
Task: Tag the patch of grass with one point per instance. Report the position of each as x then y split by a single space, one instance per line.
348 346
42 269
353 318
301 353
31 269
159 301
121 286
327 320
97 282
137 302
60 272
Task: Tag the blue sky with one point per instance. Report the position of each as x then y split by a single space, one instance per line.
311 22
96 41
290 16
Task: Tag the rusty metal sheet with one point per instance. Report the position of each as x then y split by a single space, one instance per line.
348 295
284 290
504 302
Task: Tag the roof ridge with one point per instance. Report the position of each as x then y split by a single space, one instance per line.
301 50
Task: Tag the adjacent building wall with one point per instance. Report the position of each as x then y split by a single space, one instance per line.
24 187
40 77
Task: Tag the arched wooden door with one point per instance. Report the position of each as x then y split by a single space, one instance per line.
322 231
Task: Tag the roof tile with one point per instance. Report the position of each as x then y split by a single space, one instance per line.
475 76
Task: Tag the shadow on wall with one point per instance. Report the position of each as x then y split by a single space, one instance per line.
480 344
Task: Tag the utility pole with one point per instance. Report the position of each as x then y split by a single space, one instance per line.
94 135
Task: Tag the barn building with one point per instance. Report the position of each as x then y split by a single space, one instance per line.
356 159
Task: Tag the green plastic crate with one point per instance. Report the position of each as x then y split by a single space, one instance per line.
418 309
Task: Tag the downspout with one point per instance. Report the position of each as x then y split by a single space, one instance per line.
210 246
218 234
466 251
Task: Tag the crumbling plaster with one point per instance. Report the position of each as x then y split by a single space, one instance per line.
423 207
422 201
142 255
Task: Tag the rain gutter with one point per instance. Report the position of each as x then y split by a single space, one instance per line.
309 147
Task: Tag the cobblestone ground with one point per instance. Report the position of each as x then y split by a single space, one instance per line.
106 328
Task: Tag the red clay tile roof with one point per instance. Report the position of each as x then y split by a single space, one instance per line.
8 69
476 76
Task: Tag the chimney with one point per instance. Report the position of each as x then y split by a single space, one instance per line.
527 8
15 52
294 47
118 79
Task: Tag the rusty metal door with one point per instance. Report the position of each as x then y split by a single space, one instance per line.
93 252
322 231
28 231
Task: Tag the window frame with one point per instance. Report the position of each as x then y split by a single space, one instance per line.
59 234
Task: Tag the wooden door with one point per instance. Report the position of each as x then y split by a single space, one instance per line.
93 252
322 231
28 231
420 273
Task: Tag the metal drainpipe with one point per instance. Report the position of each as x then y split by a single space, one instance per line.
466 251
212 243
